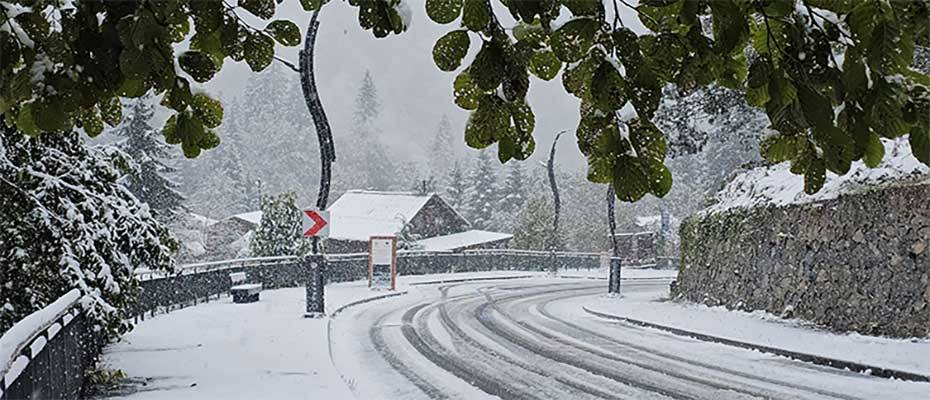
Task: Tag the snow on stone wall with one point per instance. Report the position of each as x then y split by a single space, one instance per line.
777 186
855 262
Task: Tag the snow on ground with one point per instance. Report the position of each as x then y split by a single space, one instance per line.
777 186
768 330
222 350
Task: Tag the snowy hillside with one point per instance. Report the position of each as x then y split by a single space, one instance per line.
777 186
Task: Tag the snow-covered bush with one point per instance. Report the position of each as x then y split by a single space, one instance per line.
66 221
279 232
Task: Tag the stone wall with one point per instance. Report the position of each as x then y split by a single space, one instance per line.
858 263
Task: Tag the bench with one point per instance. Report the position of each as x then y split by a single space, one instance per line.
243 292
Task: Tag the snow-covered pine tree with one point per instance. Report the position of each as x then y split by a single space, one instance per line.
534 225
278 233
441 151
514 189
67 222
152 183
482 192
365 164
455 191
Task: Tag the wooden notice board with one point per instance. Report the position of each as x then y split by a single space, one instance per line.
382 262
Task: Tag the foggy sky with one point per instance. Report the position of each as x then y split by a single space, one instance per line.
414 92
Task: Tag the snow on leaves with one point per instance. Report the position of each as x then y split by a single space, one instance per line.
69 224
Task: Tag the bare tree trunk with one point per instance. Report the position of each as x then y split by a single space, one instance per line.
323 131
554 236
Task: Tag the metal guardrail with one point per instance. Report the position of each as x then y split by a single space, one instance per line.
45 354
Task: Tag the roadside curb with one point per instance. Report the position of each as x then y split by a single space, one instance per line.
600 278
811 358
365 300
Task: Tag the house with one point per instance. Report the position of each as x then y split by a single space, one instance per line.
473 239
360 214
227 238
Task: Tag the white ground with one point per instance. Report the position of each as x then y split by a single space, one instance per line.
222 350
765 329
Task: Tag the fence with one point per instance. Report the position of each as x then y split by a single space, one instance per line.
45 355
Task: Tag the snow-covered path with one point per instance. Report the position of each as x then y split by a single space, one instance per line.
528 339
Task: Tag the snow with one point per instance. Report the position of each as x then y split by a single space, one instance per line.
360 214
461 240
768 330
252 217
13 340
222 350
777 186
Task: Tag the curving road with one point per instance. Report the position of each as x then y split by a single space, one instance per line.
529 339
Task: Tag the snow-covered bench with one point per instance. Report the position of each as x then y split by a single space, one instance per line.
243 292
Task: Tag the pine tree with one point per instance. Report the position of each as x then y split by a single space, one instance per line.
482 191
514 190
66 222
150 183
534 225
365 163
441 151
279 231
455 193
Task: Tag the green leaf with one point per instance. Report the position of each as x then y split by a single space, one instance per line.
731 29
207 110
573 40
517 141
486 122
632 178
476 15
890 49
644 91
179 96
647 140
50 115
467 94
488 68
608 90
198 65
111 110
920 143
874 151
584 7
285 32
132 64
92 123
443 11
545 65
757 91
577 79
815 176
263 9
780 148
259 51
450 49
312 5
25 120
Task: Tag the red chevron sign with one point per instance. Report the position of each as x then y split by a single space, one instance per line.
315 223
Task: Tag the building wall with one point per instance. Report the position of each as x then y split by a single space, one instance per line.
856 263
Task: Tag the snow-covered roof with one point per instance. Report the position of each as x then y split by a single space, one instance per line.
252 217
360 214
461 240
777 186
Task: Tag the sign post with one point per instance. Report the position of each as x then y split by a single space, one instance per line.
314 269
613 282
382 262
314 224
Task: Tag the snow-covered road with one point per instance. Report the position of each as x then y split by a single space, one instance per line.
527 339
